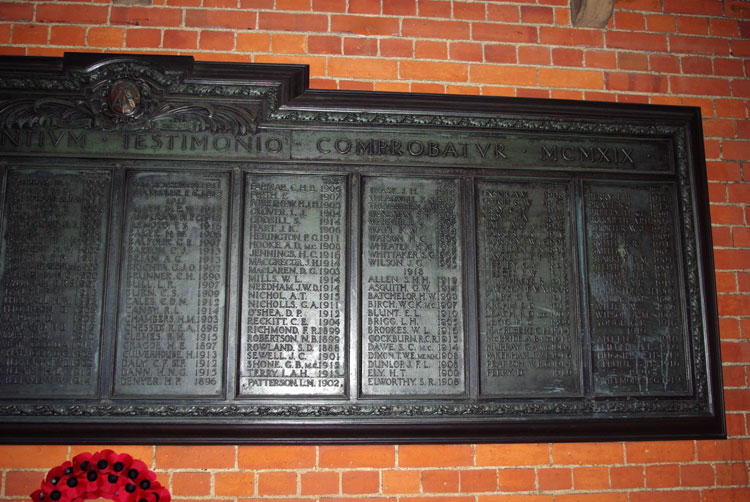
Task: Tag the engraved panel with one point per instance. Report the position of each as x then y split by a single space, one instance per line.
638 334
51 285
173 285
529 340
293 338
412 293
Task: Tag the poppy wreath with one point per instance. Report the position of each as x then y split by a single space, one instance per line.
104 474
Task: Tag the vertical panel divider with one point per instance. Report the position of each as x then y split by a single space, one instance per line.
583 296
471 295
112 280
234 281
353 252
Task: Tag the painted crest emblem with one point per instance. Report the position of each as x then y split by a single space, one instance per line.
124 97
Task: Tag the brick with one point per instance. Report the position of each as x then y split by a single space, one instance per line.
329 5
554 478
291 5
728 67
31 34
723 171
180 39
18 51
650 452
739 193
726 282
729 328
396 48
355 85
275 457
566 94
712 148
637 41
191 484
423 70
741 237
731 259
665 496
735 305
466 90
533 55
663 63
627 477
592 497
238 20
503 74
356 456
430 8
736 425
222 4
365 68
532 14
661 23
632 61
699 45
562 17
662 476
429 28
733 376
360 482
697 475
697 65
721 27
364 7
504 33
503 13
587 453
633 98
234 484
364 25
399 7
743 283
319 483
81 14
465 51
253 42
727 495
736 399
720 128
577 79
500 53
218 40
449 498
21 483
731 474
629 21
516 480
16 11
601 59
32 457
324 44
469 10
186 457
637 82
516 498
288 44
439 481
145 16
277 483
736 9
591 478
735 150
567 57
478 480
145 37
692 25
435 455
520 93
392 86
665 100
105 37
730 450
285 21
512 454
575 37
740 48
70 35
197 3
707 7
700 86
427 49
741 88
401 481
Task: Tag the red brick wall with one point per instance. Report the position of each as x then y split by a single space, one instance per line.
691 52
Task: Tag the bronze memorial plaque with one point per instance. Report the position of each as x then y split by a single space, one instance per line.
212 252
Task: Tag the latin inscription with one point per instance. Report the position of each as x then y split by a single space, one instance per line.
173 285
529 344
51 281
293 325
637 332
412 300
